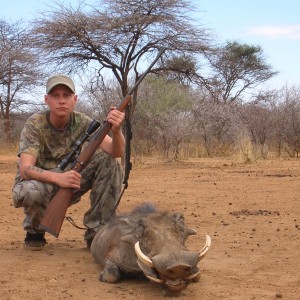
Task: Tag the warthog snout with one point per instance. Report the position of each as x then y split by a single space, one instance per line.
178 271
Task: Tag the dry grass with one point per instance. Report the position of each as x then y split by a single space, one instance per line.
8 149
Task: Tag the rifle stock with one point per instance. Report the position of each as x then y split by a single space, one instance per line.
55 212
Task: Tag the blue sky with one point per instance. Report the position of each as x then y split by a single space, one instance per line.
272 24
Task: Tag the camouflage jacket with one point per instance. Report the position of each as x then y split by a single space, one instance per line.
48 144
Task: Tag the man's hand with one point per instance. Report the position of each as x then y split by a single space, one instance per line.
68 179
28 170
114 145
115 118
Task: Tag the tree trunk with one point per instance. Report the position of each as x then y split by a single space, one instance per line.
7 129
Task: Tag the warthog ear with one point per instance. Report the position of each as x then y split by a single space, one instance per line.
179 218
190 231
139 229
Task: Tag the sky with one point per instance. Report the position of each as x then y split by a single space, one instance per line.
274 25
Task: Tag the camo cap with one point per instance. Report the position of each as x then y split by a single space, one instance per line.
59 79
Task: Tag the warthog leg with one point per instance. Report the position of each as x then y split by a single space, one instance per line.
110 273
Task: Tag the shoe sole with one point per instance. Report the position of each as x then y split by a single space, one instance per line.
34 248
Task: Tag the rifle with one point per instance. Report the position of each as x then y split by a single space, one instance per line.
56 210
78 144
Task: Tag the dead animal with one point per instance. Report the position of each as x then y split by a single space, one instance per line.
151 243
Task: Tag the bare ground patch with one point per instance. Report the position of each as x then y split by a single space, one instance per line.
251 212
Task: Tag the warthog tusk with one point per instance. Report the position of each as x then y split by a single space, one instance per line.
142 257
192 276
205 248
155 279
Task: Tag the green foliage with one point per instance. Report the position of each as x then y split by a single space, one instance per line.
234 69
161 96
162 117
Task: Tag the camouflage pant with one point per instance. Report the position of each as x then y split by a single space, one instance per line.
103 176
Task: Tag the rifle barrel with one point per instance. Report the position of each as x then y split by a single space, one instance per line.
162 50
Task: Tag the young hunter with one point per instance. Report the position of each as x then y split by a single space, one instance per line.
46 139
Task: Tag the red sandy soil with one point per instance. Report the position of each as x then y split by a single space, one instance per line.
251 212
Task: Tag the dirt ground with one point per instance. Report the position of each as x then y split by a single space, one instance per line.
251 212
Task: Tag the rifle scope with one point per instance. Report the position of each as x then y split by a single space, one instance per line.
76 149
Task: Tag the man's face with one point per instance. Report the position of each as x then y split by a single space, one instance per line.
61 100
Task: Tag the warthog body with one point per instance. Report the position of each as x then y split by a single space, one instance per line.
150 243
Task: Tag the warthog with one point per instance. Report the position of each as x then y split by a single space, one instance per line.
150 243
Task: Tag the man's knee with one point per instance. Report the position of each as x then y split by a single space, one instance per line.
29 193
102 158
104 163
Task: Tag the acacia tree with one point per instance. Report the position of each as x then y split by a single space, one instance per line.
259 119
163 119
215 125
119 36
288 125
19 71
233 69
97 97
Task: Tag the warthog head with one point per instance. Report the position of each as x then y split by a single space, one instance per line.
148 242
